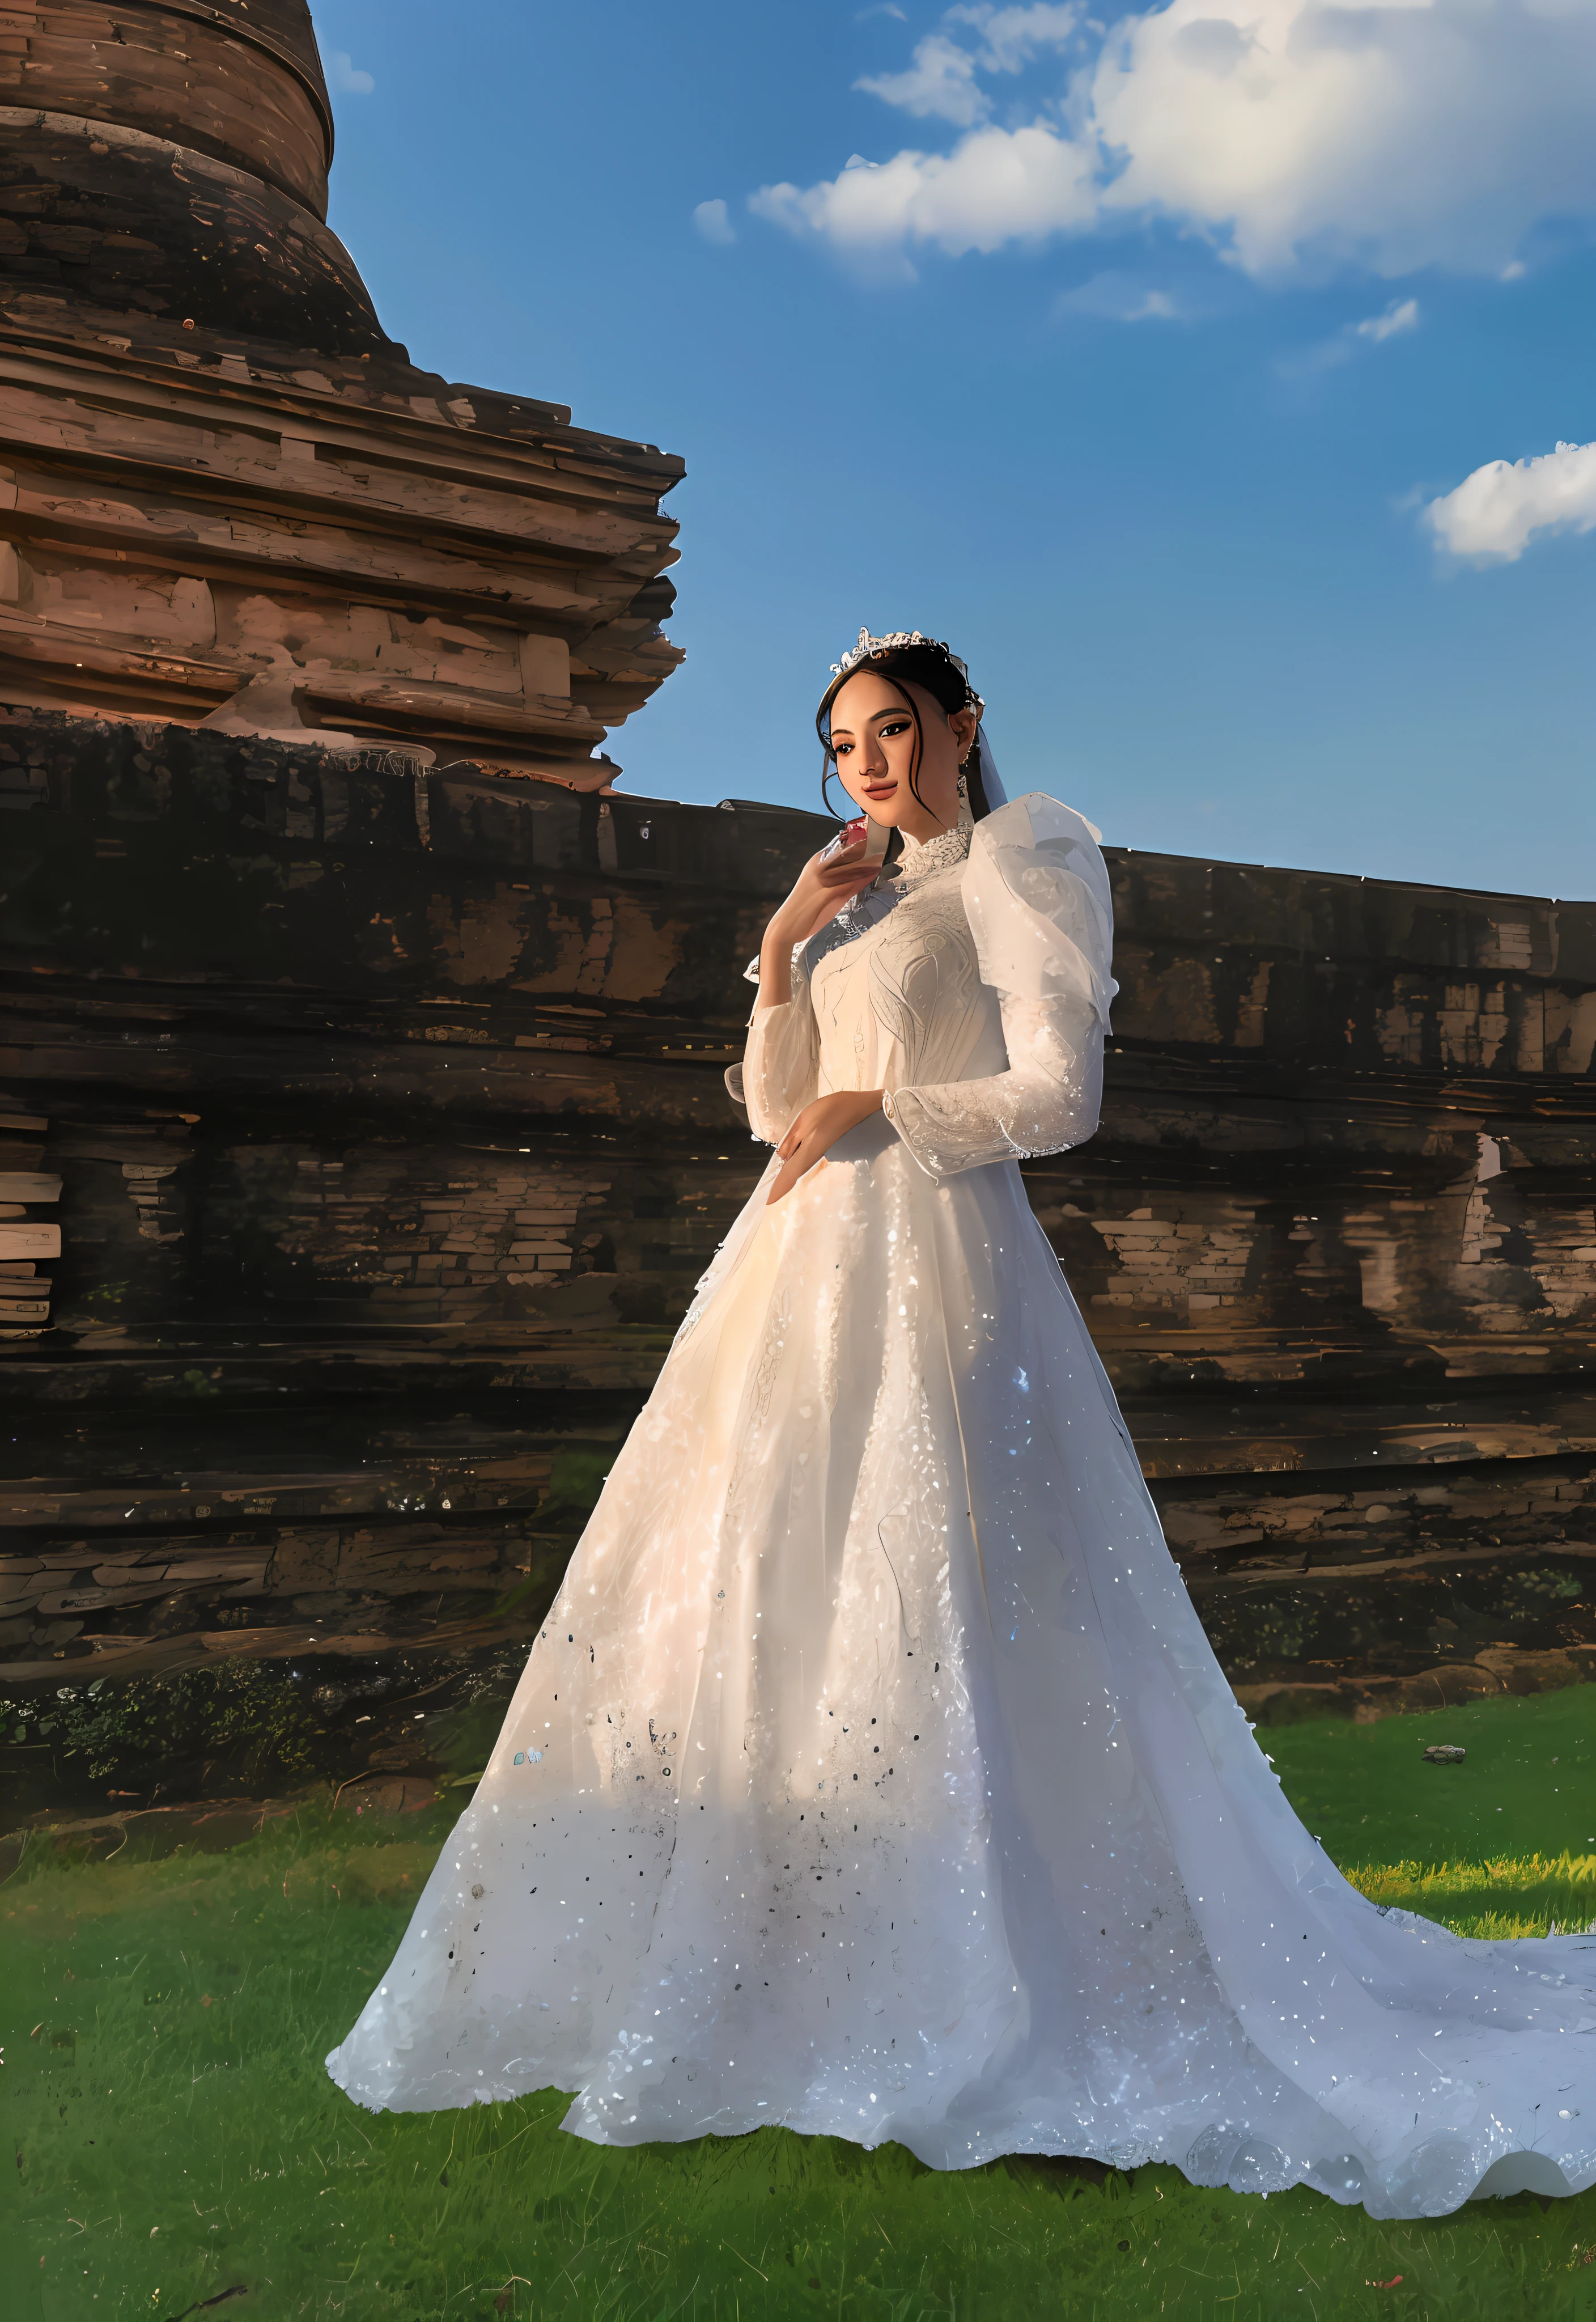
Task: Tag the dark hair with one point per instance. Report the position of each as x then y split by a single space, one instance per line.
927 664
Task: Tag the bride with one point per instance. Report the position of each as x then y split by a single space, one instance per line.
873 1774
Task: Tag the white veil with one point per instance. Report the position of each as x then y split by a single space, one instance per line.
991 780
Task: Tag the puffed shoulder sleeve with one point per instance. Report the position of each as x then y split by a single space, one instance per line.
780 1068
1035 892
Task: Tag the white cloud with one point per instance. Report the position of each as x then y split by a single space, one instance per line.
1433 132
940 81
1307 364
1115 298
1495 513
1401 314
713 223
996 185
346 77
1011 37
1293 132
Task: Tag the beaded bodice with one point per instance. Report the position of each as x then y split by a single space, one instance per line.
969 983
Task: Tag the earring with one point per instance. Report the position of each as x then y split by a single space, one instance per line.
966 818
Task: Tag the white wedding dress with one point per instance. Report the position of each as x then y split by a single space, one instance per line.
873 1774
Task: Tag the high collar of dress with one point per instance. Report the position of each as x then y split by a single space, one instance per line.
921 859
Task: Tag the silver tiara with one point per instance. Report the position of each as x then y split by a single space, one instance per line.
868 647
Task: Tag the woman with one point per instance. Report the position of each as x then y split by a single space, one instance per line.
872 1773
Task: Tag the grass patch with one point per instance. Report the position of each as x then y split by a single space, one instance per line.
1515 1896
177 2136
1526 1786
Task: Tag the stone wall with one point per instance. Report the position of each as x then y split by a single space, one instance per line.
376 1113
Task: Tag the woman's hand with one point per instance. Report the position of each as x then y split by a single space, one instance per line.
816 1130
826 882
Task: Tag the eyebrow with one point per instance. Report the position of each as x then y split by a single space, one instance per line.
899 712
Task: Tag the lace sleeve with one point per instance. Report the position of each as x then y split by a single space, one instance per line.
1035 892
780 1068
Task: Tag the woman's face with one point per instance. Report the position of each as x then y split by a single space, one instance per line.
874 736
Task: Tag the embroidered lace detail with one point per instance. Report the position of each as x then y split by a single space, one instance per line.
1046 1106
921 859
756 1409
857 917
830 1343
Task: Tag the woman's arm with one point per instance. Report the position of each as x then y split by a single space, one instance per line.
816 1130
781 1058
826 882
781 1061
1036 893
1047 1101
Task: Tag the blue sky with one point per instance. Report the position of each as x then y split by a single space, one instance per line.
1152 362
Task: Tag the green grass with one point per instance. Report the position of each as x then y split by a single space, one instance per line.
1516 1895
1502 1844
177 2136
1526 1784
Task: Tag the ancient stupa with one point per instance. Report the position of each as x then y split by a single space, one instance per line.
227 496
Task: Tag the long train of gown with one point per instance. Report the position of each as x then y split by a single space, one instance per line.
873 1774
